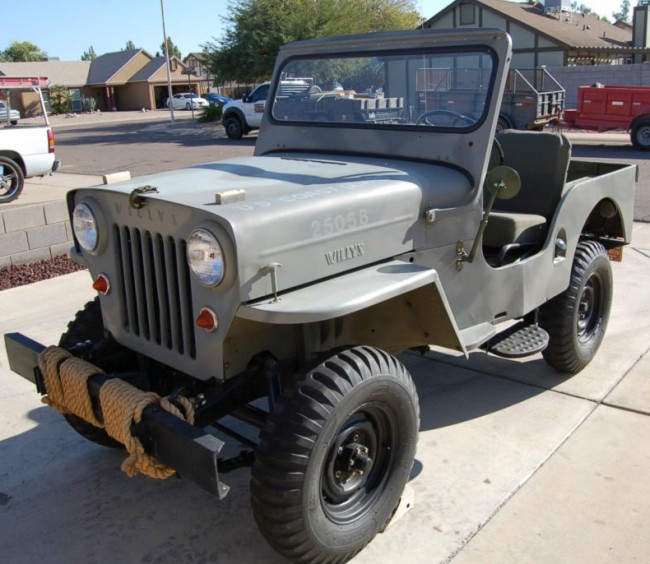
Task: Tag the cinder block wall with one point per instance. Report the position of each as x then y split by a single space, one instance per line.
34 232
615 75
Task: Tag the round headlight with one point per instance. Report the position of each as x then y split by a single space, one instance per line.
205 257
84 225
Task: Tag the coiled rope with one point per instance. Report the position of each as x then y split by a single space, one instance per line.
66 383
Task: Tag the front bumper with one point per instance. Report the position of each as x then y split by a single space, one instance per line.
188 449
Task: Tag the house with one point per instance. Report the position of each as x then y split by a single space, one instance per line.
131 80
196 62
71 74
123 80
552 35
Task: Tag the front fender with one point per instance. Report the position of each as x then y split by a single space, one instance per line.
395 305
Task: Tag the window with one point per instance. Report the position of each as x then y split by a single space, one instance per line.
467 14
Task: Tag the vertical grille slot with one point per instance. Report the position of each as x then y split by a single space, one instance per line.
156 292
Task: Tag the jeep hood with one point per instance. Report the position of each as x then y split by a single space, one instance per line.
314 215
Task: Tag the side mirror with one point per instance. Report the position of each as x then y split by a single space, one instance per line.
503 183
246 98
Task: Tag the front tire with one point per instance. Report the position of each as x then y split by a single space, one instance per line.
640 135
233 127
335 456
87 325
576 320
12 180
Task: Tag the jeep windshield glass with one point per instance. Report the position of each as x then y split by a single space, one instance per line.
435 90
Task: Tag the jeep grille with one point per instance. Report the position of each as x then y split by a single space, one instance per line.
156 301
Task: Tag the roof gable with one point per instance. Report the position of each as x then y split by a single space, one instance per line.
104 68
571 29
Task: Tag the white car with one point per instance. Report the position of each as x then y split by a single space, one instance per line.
14 115
187 101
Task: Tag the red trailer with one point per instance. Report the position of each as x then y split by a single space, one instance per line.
602 108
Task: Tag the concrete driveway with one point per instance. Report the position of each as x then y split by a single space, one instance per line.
515 462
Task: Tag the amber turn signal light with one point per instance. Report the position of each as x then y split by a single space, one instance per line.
102 284
207 319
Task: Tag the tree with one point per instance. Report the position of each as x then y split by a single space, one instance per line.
23 51
256 29
624 13
174 51
89 55
130 46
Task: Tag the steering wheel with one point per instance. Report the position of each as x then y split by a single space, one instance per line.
424 118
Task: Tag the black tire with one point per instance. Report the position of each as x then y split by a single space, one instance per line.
12 180
640 135
357 410
502 124
576 320
233 127
188 106
87 325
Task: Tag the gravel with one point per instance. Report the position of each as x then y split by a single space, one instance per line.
21 274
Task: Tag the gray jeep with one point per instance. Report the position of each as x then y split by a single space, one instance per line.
274 290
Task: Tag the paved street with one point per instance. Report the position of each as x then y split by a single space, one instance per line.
144 147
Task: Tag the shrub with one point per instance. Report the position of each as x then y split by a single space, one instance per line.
59 99
89 104
211 113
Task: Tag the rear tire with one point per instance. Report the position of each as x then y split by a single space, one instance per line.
12 180
335 456
576 320
87 325
502 124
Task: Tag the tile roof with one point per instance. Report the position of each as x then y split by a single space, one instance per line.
65 73
570 29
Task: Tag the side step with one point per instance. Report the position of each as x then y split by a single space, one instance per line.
519 340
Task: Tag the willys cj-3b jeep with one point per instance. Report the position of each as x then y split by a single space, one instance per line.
276 288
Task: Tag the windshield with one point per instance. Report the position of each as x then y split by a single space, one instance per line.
439 90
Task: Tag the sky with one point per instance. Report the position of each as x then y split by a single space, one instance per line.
67 28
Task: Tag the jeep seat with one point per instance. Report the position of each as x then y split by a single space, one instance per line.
542 160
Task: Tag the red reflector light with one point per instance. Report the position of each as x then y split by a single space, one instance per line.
102 285
50 140
207 319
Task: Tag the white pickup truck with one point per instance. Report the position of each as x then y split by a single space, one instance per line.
25 151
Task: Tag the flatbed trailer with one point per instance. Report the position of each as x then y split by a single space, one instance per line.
532 98
603 108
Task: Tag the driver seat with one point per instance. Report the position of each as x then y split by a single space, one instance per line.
542 160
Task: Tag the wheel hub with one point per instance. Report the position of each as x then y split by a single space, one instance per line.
350 462
588 310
